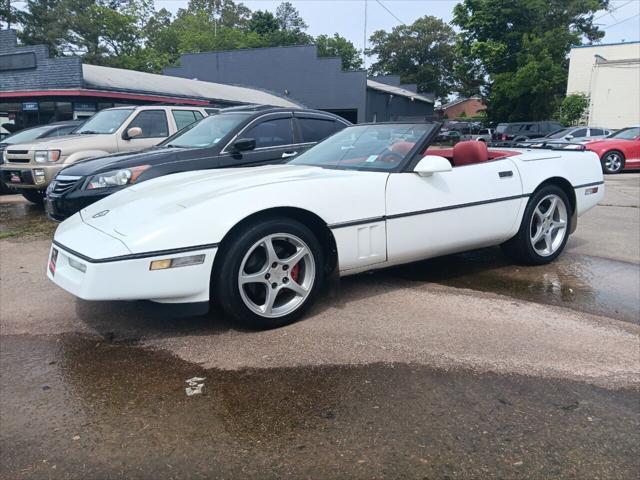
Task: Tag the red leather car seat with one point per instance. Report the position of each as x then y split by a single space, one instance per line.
469 152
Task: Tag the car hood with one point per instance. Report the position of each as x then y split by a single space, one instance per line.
197 208
96 165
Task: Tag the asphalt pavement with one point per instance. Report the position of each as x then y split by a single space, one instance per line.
460 367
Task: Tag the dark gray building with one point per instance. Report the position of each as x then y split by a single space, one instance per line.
36 89
317 82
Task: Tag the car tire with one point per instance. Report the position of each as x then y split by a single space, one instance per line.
612 162
544 230
34 196
266 288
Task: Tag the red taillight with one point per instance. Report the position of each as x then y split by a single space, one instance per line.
504 137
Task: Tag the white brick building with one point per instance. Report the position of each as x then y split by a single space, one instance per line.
610 76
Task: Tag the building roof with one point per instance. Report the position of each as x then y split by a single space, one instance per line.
394 90
606 44
459 100
117 79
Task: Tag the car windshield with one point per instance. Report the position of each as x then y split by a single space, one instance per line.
561 133
366 147
26 135
106 121
206 132
626 133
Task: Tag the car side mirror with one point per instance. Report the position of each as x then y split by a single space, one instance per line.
430 164
244 144
132 133
569 137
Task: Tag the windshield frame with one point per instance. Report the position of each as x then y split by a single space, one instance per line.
405 166
131 111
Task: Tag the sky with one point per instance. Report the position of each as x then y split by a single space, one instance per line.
346 17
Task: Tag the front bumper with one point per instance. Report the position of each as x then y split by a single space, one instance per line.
27 176
95 266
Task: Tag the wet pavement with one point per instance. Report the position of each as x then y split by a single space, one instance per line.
459 367
82 408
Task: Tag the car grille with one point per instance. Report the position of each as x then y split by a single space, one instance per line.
63 183
11 159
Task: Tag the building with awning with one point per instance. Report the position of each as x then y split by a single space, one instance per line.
36 88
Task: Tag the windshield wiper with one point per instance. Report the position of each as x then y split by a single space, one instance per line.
89 132
171 145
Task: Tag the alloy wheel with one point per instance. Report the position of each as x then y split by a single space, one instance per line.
548 225
276 275
613 162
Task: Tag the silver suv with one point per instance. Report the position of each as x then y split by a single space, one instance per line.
30 167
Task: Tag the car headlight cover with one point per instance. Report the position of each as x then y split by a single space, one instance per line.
46 156
116 178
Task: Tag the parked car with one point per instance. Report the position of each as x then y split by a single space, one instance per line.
261 241
499 130
30 167
56 129
234 137
579 134
450 136
527 130
619 151
482 135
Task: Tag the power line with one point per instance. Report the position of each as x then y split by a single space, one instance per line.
609 12
621 21
390 12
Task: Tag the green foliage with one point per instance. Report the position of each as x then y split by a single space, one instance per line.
572 109
338 46
421 53
515 51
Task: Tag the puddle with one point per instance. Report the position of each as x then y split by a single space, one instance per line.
25 220
78 407
590 284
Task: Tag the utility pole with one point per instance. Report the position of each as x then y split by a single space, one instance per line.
8 14
364 43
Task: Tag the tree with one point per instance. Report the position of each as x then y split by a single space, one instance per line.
338 46
572 109
421 53
289 18
263 23
515 51
44 23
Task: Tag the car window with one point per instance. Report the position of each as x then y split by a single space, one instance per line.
596 132
66 130
105 121
206 133
316 129
531 127
626 133
513 128
271 133
185 117
501 127
152 122
581 132
483 132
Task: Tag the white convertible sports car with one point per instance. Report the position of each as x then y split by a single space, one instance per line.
260 241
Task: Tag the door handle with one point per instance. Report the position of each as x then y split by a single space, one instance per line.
505 174
289 154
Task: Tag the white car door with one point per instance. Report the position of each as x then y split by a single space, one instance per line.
468 207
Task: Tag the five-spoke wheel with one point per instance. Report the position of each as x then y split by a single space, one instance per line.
269 272
544 229
276 275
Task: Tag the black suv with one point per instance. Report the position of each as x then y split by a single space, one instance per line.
526 130
234 137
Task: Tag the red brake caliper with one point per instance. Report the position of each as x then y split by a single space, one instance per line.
295 272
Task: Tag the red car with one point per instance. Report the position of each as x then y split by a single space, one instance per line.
619 151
